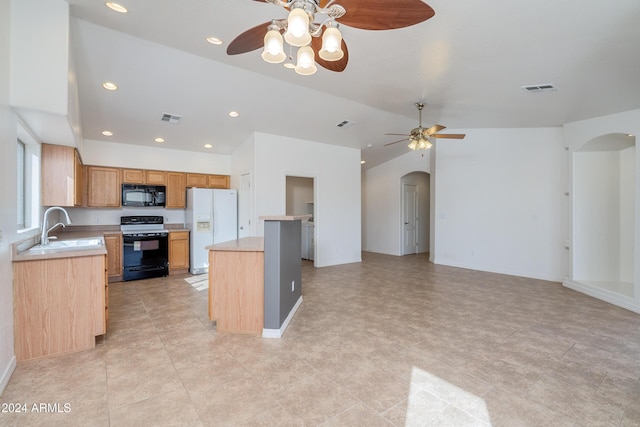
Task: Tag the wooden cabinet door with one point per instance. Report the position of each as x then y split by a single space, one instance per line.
61 176
113 242
218 181
133 176
103 186
196 180
155 177
176 190
178 251
79 179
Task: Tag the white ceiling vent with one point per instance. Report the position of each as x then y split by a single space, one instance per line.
546 87
171 118
345 124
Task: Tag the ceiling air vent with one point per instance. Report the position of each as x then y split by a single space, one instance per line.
345 124
171 118
546 87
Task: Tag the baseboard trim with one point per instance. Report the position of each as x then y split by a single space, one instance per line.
6 375
277 333
603 294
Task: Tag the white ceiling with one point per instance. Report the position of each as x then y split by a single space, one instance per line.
467 63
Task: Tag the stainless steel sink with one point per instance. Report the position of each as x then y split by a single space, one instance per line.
77 244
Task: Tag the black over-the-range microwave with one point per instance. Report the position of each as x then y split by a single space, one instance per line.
143 195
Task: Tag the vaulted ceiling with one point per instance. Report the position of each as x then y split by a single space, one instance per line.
468 64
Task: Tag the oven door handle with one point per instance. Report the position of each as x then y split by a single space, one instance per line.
147 268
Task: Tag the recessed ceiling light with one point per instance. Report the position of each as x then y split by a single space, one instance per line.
117 7
107 133
234 113
629 134
109 86
362 162
214 40
159 140
208 146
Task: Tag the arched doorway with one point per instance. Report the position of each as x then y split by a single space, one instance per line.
415 213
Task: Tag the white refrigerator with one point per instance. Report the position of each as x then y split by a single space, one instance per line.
212 217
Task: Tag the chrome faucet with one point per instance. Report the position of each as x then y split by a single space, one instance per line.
44 238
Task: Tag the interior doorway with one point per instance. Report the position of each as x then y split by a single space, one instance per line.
300 200
415 213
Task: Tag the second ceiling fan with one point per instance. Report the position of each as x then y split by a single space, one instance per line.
419 138
312 28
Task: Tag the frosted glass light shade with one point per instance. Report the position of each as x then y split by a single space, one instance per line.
306 61
331 45
297 33
273 47
413 144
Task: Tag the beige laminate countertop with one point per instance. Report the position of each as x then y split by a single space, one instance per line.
20 252
245 244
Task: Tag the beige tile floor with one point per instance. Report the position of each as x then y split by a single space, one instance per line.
389 341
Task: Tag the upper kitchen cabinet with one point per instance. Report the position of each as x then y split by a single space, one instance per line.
141 176
132 176
198 180
201 180
176 190
218 181
103 188
62 183
155 177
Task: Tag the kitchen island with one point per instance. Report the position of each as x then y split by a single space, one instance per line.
254 282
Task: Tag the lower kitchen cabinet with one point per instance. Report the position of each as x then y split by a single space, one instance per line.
60 305
113 243
178 252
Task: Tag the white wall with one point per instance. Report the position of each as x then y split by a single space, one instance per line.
382 201
500 202
102 153
336 171
8 197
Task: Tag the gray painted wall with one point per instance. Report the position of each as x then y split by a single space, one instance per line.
282 266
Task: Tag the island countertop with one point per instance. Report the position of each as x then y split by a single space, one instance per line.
284 217
245 244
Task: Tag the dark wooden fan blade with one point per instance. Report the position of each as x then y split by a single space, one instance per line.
337 66
251 39
395 142
435 128
384 14
449 135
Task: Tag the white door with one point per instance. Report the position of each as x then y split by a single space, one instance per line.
410 218
245 207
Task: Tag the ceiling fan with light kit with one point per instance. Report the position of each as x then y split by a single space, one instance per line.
421 138
312 27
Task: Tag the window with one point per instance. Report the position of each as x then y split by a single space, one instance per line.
21 184
28 180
